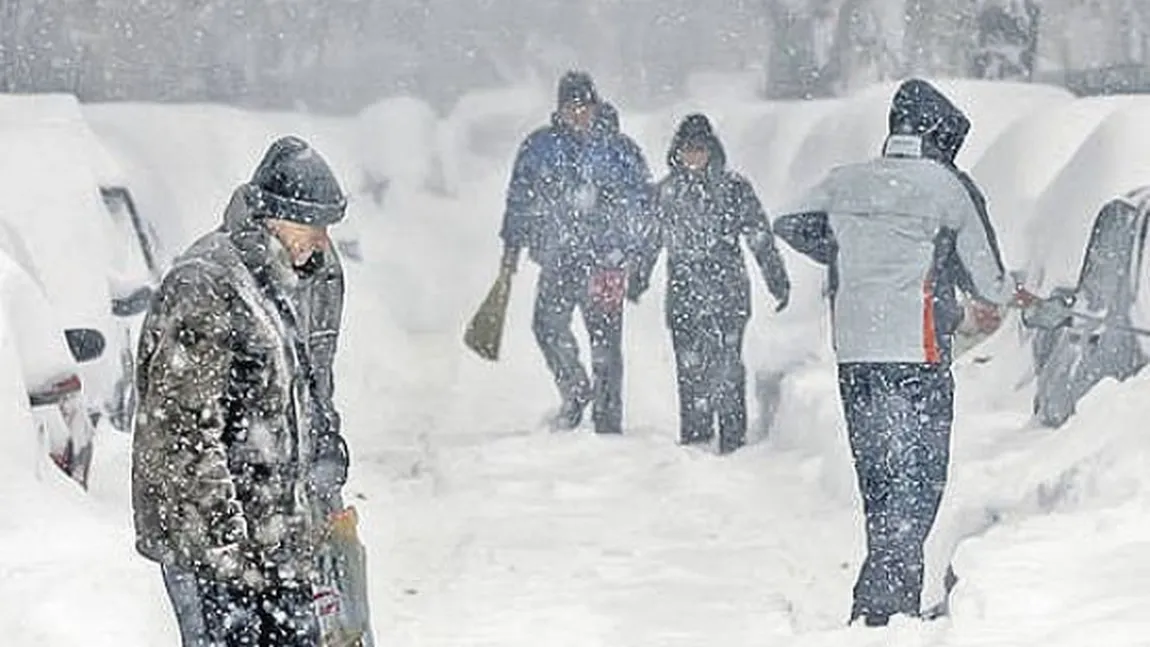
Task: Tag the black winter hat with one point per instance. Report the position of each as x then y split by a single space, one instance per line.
294 182
578 87
918 108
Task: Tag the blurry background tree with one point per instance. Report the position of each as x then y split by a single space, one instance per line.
340 55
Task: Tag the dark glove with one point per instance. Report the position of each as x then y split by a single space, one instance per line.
1049 314
331 462
782 301
636 288
510 259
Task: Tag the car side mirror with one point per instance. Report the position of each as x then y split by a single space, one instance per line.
134 303
86 344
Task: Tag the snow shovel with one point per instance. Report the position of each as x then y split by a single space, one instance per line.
484 333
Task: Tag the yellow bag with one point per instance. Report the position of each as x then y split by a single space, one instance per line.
484 333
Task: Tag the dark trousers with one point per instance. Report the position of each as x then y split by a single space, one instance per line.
215 614
899 418
712 379
558 293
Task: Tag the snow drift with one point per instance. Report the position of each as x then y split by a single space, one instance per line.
483 530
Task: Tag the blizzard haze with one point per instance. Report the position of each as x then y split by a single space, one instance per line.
483 528
342 55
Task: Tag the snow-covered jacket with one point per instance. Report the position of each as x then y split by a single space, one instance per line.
701 219
886 227
237 457
577 199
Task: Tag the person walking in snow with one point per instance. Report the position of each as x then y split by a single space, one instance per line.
237 457
576 200
886 228
703 211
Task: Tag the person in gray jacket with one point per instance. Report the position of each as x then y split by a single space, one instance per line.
237 457
893 230
703 213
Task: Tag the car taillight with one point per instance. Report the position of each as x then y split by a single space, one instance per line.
55 392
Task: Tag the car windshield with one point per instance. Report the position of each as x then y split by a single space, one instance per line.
128 259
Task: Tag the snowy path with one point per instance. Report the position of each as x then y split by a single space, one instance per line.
494 531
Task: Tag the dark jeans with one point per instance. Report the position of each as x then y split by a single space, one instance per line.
899 418
558 293
215 614
712 379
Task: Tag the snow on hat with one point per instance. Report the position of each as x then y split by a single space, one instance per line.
293 182
578 87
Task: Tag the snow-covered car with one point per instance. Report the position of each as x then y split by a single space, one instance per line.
135 276
52 199
50 357
1093 336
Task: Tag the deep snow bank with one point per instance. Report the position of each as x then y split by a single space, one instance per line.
1109 163
1018 166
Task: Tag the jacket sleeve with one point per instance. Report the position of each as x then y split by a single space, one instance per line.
189 374
806 226
962 277
524 195
976 245
650 238
635 203
331 461
757 230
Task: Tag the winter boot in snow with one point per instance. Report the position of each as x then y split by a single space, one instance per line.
729 444
570 413
694 438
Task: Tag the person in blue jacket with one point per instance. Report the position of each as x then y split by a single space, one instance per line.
577 199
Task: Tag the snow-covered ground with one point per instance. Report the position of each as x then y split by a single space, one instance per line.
483 529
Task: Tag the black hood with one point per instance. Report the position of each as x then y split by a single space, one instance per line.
697 128
918 108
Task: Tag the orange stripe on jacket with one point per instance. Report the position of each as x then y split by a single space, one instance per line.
929 331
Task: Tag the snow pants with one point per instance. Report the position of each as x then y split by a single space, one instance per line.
215 614
712 379
560 290
899 418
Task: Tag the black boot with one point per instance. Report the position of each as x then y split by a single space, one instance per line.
694 439
729 444
570 412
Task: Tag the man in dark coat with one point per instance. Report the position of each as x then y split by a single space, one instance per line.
703 212
577 195
898 233
237 454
